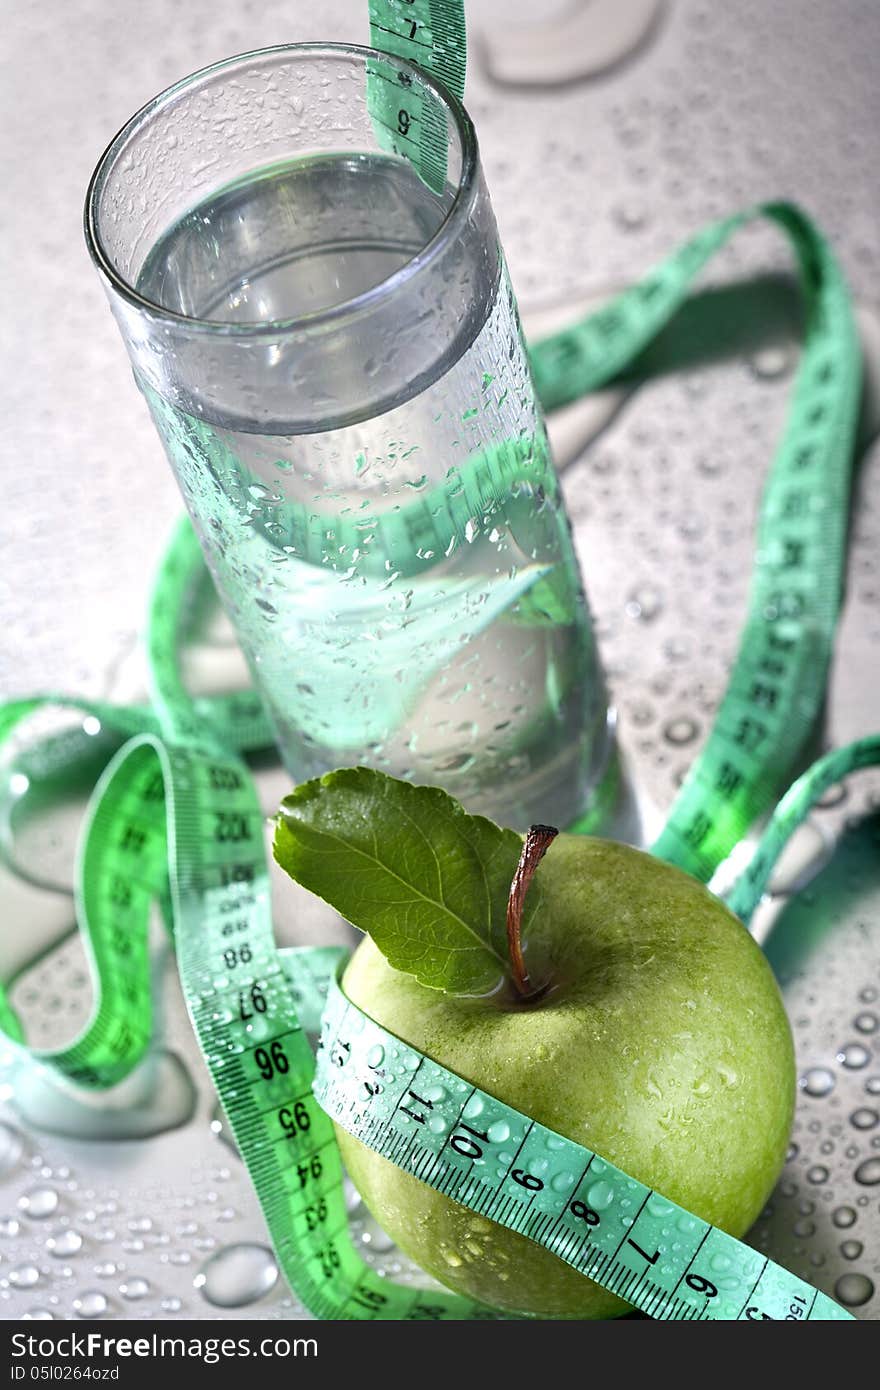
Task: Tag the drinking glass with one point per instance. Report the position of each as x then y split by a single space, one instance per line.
301 255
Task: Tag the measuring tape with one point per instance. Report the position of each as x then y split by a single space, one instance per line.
175 817
409 122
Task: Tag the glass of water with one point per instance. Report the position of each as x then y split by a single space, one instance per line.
301 255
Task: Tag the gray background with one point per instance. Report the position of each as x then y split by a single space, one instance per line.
680 112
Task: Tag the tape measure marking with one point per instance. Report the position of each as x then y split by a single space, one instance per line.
407 121
175 814
642 1246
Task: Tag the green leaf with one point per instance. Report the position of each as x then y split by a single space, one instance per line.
410 866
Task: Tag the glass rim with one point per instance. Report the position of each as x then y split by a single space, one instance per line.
455 216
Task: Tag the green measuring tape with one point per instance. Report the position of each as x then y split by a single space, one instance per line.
175 818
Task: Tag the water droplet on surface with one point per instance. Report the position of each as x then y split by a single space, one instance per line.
853 1290
600 1196
644 603
24 1276
659 1207
134 1288
64 1244
473 1108
681 731
561 1182
498 1132
39 1202
833 796
854 1056
630 216
864 1118
866 1022
818 1081
91 1304
851 1249
437 1124
872 1085
817 1174
237 1275
376 1055
171 1305
11 1149
9 1226
38 1315
843 1217
868 1172
375 1238
770 363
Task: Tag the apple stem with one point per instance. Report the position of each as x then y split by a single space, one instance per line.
538 840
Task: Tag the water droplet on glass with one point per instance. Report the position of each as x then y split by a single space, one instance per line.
91 1304
64 1244
818 1081
872 1085
24 1276
237 1275
817 1174
853 1290
9 1226
171 1305
866 1022
39 1202
38 1315
868 1172
854 1056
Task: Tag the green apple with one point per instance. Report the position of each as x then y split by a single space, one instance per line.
661 1042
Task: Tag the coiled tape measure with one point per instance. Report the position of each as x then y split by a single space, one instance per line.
175 817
